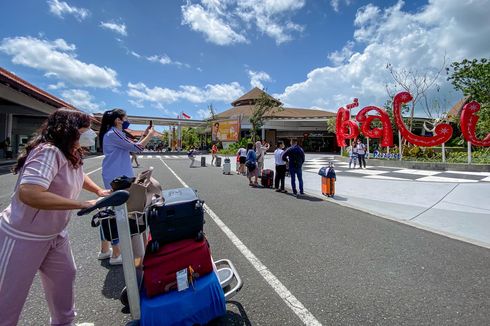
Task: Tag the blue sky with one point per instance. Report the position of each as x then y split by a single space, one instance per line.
162 57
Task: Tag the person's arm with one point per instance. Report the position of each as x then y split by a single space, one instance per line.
39 197
285 155
90 185
302 156
120 140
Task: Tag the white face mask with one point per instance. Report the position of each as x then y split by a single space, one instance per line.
87 138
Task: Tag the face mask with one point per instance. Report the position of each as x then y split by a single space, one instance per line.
87 138
125 124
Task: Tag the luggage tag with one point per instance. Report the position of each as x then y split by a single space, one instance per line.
182 280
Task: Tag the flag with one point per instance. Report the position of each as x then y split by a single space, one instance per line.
186 116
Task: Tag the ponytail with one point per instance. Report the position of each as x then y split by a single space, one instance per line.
107 123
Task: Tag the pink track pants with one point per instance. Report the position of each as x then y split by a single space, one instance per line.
19 262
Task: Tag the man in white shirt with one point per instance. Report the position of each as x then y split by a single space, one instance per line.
242 157
280 167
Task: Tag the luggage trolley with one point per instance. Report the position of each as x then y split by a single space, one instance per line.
132 251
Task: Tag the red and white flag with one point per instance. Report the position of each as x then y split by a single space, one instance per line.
186 116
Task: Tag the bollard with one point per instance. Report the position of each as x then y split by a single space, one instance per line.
218 161
203 160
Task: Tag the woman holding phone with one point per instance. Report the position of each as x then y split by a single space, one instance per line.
117 162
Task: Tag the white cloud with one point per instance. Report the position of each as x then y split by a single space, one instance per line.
138 104
256 78
203 114
163 59
208 22
82 100
61 8
415 40
58 85
217 92
336 4
340 57
118 28
135 54
220 21
58 59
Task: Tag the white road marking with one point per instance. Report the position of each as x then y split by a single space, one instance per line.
94 171
421 172
383 177
444 179
294 304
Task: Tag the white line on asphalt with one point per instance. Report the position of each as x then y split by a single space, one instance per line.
94 171
294 304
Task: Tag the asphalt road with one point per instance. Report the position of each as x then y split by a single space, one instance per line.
346 267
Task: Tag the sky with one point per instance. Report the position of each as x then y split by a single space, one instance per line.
160 58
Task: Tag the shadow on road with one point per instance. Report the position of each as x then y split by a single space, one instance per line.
114 281
233 318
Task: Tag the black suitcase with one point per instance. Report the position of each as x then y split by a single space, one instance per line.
181 216
267 178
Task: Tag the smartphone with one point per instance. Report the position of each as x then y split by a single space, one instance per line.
151 123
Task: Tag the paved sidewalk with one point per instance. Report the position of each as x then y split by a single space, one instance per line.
454 209
457 210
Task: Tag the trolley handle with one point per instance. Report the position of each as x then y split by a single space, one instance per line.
117 198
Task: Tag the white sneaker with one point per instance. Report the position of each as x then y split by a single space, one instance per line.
116 260
104 255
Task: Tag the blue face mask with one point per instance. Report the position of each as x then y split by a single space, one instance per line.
125 124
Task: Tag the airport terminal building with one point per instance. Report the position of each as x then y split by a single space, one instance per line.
306 125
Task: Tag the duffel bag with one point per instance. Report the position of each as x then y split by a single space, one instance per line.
161 267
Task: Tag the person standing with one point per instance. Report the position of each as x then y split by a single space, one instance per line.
352 156
33 228
117 162
8 148
296 157
261 147
242 158
361 154
214 153
251 163
280 167
192 156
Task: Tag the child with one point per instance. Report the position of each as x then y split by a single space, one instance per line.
352 156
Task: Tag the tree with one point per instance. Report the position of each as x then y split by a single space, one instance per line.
417 84
331 125
264 106
472 77
190 137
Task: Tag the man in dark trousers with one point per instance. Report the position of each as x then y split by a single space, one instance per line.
296 157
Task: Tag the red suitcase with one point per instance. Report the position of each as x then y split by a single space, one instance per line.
267 179
160 268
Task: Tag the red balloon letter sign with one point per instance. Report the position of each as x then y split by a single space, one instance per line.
385 133
468 124
346 128
442 132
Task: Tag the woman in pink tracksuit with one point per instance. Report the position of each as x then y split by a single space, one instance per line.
33 235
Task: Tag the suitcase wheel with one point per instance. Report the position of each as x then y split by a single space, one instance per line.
153 246
123 297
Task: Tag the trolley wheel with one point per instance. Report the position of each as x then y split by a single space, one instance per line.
153 246
123 297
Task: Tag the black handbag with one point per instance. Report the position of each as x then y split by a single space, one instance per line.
122 182
107 219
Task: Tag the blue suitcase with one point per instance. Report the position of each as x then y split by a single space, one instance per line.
199 304
181 216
